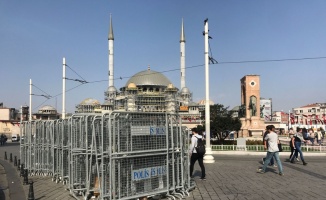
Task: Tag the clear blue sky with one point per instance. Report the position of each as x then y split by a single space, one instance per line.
36 35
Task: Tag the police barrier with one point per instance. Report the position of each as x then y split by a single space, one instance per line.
117 155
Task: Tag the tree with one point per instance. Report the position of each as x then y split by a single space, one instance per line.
221 121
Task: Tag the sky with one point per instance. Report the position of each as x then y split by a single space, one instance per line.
35 35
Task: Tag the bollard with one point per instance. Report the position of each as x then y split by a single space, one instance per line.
6 156
22 170
10 157
18 165
31 191
25 177
15 161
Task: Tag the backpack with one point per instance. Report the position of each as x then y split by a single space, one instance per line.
200 147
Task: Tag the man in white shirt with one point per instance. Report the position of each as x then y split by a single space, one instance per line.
273 151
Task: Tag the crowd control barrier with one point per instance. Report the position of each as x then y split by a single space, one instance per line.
116 155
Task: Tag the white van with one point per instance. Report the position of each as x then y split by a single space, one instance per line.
14 138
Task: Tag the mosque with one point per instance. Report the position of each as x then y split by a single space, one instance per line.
148 91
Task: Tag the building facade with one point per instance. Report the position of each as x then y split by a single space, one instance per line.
311 115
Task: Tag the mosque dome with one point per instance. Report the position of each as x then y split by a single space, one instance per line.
47 108
170 86
112 89
203 102
149 77
132 85
90 101
185 90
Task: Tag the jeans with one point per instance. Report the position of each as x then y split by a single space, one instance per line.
194 158
297 149
269 156
271 162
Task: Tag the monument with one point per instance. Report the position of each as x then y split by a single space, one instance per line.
252 125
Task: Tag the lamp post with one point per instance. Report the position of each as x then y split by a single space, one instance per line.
30 99
208 158
63 88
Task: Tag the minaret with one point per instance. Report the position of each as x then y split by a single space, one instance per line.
111 39
111 92
183 57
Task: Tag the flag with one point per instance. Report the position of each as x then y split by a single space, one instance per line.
292 118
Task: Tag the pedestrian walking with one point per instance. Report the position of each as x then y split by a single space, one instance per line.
312 136
272 151
194 156
319 136
322 132
296 142
292 148
271 163
2 139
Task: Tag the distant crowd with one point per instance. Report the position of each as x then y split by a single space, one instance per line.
311 136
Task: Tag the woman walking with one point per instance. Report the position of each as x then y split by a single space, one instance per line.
296 142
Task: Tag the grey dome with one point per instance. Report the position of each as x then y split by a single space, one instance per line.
47 107
185 90
112 89
149 77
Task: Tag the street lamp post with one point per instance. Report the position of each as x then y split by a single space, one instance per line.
30 99
208 156
64 88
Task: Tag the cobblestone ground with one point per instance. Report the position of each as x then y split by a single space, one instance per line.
235 177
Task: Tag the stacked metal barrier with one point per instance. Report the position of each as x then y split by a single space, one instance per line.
118 155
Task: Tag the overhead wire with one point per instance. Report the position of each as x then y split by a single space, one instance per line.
194 66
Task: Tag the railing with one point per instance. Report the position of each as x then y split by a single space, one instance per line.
260 148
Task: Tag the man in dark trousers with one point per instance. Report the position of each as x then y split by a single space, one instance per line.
194 156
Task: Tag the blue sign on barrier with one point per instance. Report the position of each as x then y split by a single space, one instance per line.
157 130
146 173
147 130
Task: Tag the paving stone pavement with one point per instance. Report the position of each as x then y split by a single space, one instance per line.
230 177
235 177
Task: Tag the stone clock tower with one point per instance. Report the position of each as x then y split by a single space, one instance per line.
252 124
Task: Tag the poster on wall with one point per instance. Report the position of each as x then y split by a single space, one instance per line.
266 107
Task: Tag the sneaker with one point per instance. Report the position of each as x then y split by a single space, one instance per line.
274 165
263 160
298 159
304 163
292 161
203 179
281 174
260 171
